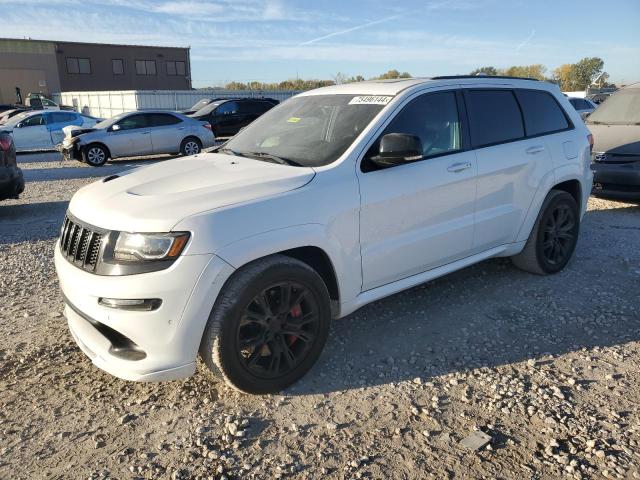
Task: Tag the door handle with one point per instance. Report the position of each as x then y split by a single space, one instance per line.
145 133
535 149
180 128
458 167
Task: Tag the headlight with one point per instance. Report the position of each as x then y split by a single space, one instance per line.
149 246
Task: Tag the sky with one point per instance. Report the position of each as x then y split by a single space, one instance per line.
273 40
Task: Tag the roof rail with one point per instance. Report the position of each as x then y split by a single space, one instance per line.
453 77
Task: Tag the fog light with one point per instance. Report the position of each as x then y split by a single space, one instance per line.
141 304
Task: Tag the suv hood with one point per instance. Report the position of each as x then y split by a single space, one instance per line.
157 197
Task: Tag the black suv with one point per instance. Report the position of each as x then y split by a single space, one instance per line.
228 116
11 180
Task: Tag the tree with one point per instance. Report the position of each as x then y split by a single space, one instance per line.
585 71
536 71
491 71
393 74
572 77
562 76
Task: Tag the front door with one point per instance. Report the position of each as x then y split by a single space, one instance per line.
32 134
419 215
226 119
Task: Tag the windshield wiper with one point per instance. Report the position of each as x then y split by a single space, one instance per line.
230 152
274 158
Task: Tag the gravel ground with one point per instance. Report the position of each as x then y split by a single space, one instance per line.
546 366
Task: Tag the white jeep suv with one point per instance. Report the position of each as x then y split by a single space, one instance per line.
333 199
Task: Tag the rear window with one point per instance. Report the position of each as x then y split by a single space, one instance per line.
542 114
494 117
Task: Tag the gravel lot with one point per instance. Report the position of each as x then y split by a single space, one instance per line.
547 366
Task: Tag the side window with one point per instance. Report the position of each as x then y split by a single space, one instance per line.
132 122
60 117
542 114
250 107
433 118
48 103
227 108
162 119
34 121
494 117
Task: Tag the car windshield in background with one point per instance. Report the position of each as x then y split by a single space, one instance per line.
198 105
206 110
110 121
309 131
621 108
16 119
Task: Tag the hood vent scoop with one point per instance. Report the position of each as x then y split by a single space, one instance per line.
110 177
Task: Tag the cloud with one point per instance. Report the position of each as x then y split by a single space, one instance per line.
526 41
352 29
188 8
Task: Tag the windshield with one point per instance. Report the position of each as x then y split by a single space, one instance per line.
202 103
111 121
621 108
16 119
309 131
207 109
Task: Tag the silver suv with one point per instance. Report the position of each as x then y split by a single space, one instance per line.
137 133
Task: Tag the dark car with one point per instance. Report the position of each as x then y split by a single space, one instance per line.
198 105
227 117
11 180
615 126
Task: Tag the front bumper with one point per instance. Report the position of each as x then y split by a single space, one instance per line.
619 181
169 337
70 151
11 182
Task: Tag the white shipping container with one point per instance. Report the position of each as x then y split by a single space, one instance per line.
109 104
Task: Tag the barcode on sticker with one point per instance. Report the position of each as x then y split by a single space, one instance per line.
370 100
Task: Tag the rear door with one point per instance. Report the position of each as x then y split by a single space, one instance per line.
56 121
32 133
131 137
167 131
510 166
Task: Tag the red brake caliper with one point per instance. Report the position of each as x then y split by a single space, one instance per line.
295 312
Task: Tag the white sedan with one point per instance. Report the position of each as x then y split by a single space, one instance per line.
42 130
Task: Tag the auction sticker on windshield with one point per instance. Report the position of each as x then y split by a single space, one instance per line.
370 100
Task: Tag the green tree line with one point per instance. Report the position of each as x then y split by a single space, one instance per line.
300 84
569 77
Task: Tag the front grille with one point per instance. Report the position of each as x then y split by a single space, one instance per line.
80 245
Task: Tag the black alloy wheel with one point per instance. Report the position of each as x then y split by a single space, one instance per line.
277 330
559 234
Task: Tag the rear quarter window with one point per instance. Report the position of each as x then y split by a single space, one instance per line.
542 113
494 117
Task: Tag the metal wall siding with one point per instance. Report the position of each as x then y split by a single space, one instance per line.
109 104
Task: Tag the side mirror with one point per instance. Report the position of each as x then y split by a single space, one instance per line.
398 148
20 125
114 128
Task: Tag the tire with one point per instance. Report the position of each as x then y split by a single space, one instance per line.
95 155
190 146
249 337
554 236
